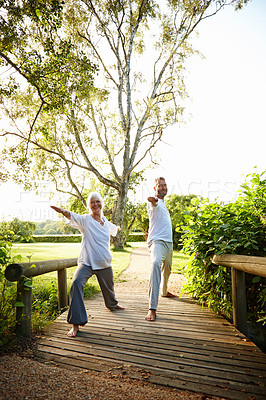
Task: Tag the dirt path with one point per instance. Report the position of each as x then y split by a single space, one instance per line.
21 377
135 278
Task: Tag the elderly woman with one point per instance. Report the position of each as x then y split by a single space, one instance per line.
95 258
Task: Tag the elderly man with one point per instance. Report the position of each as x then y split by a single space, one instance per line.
160 244
95 258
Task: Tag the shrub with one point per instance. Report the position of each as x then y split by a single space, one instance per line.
234 228
179 207
136 237
16 230
45 300
7 297
57 238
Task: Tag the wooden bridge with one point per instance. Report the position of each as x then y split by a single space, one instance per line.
188 347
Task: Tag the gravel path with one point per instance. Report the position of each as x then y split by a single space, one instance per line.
21 377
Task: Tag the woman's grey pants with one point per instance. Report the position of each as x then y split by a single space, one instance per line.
161 253
77 312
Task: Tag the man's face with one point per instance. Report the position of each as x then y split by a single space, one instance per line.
161 189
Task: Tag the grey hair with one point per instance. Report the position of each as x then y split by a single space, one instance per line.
94 195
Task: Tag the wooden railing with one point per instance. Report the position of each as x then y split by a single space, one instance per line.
23 274
24 271
239 265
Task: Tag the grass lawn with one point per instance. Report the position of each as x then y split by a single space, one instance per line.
180 260
45 251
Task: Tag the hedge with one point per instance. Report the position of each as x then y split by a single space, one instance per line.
132 237
57 238
136 237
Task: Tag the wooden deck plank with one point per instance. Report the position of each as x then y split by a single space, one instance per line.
187 347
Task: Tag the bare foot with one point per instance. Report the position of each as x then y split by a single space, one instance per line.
73 331
117 307
168 294
151 316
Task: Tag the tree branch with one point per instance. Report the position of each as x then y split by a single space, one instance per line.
10 62
103 145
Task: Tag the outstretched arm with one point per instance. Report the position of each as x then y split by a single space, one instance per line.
62 211
153 200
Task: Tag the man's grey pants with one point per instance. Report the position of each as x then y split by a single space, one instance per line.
161 253
77 312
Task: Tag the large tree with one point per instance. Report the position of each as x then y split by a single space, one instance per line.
94 84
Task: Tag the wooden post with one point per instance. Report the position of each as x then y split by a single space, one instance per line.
62 288
239 300
23 313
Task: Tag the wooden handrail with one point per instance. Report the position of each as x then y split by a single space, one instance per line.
239 266
249 264
24 272
14 272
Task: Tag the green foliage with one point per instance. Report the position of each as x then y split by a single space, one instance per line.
179 206
7 297
235 228
45 300
17 231
49 227
141 218
30 33
136 237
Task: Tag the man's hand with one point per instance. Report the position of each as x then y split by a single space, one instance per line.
153 200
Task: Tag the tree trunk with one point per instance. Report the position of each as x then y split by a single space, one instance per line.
118 216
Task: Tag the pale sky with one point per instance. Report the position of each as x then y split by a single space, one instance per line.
226 135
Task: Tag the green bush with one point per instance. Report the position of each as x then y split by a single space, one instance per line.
234 228
136 237
16 230
57 238
45 300
178 207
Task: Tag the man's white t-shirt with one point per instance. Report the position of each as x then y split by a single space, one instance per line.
95 244
160 227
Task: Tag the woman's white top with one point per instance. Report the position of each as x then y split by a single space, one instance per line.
160 226
95 244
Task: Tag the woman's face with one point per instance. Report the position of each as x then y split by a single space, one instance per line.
95 205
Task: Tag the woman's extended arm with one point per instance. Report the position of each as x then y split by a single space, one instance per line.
62 211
